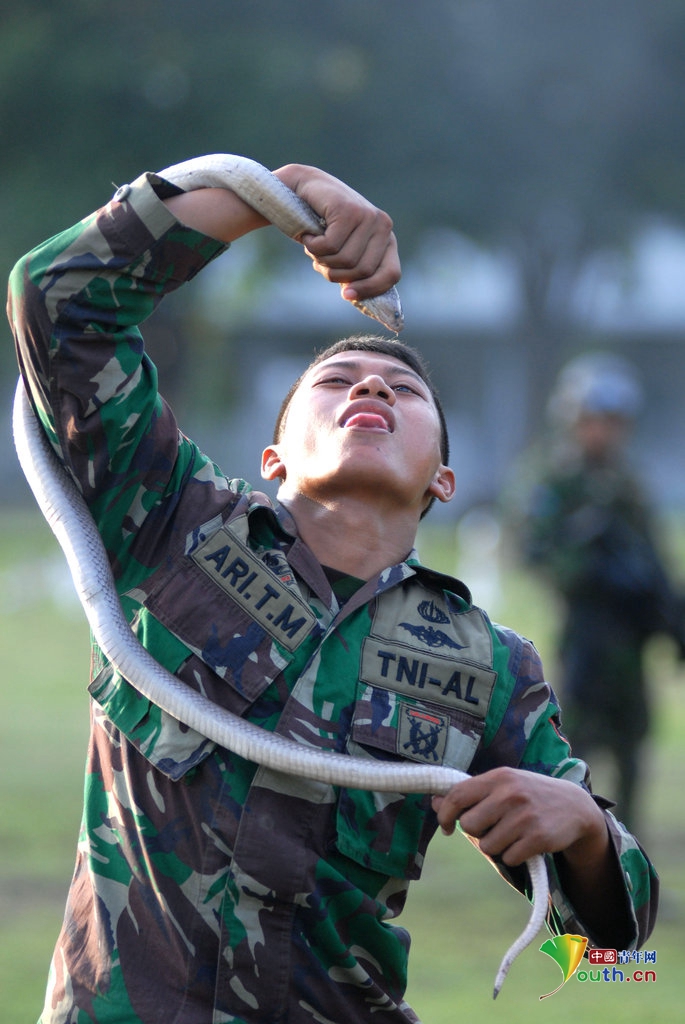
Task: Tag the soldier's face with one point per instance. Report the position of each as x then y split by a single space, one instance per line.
601 436
361 424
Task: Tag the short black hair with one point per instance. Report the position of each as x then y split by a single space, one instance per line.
387 347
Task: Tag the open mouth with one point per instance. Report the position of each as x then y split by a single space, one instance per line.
368 421
368 415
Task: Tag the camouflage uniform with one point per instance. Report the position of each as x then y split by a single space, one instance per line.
207 887
587 528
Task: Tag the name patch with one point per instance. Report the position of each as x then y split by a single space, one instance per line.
448 681
262 595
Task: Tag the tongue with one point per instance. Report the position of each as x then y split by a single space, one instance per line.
367 419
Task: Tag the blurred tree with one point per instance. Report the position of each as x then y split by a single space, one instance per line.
547 129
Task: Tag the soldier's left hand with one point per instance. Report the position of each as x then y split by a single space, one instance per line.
515 814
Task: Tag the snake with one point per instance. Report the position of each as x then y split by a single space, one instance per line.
66 512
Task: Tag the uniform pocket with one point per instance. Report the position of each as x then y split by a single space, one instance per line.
389 832
166 743
218 630
170 745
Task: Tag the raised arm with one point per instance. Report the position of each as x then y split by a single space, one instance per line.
358 249
77 301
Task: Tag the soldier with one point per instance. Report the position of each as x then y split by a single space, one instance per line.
207 888
588 530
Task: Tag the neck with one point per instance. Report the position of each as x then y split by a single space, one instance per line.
349 536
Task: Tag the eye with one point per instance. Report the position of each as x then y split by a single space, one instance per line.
334 379
406 388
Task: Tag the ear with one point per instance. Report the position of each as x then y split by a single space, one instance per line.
273 467
443 485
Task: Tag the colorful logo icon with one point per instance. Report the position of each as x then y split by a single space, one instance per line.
567 951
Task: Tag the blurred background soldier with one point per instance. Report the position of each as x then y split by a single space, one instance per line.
586 526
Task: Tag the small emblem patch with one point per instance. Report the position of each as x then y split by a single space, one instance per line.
422 734
431 636
429 611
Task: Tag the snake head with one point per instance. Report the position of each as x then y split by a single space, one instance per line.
386 309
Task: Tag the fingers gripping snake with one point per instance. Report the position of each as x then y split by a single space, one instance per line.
68 515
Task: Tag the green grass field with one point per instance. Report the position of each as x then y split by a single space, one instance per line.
461 915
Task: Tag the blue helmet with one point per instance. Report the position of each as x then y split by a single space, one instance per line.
600 383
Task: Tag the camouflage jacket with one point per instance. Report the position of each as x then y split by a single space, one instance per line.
589 530
207 888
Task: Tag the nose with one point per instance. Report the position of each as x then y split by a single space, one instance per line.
373 386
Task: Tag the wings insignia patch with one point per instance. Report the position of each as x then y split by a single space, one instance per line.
431 636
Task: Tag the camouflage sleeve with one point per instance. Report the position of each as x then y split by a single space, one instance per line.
555 536
549 750
530 736
75 305
641 889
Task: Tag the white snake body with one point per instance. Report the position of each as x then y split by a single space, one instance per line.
68 515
